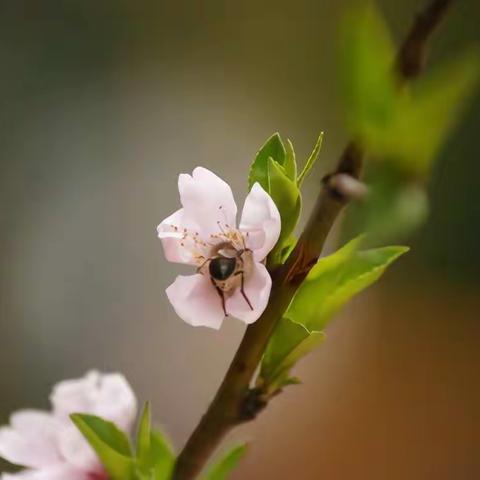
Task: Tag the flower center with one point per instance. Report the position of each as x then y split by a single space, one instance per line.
227 238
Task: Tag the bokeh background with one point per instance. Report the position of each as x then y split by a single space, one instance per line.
103 103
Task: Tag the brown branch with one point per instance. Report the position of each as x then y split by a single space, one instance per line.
413 52
235 402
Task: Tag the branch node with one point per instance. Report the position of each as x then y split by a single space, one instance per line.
253 403
346 187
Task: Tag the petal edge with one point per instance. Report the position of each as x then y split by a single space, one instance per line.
260 222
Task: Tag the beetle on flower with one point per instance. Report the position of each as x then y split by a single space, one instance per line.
231 278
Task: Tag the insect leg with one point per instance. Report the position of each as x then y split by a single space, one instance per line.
221 295
203 264
242 288
245 248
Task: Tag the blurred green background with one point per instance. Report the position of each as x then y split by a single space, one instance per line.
102 105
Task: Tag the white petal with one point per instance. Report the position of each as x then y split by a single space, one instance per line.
171 232
108 396
261 220
207 199
31 440
76 451
196 301
257 289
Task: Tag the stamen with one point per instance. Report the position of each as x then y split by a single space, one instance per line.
221 228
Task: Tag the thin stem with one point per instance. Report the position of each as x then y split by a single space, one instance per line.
234 402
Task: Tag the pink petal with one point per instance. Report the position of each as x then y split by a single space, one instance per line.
257 289
76 450
31 439
261 220
108 396
196 301
207 199
171 232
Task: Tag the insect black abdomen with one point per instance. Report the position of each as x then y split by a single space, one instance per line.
221 268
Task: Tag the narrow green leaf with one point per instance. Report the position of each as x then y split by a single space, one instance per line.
290 162
288 200
291 338
291 381
221 469
106 431
366 58
337 278
311 160
289 343
162 456
275 169
110 444
273 148
143 436
158 462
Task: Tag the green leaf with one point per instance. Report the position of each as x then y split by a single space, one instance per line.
288 200
162 456
275 169
158 462
273 148
110 444
223 467
333 281
290 162
287 247
336 279
403 126
366 57
424 119
143 436
311 160
289 343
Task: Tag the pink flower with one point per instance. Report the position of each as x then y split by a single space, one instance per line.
49 445
231 277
